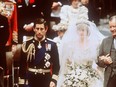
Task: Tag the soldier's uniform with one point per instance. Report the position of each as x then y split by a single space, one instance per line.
39 62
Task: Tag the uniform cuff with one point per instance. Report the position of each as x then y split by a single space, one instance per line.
54 78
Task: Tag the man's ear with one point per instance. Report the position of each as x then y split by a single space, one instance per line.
46 28
33 29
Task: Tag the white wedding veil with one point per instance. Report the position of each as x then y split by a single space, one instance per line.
71 49
70 40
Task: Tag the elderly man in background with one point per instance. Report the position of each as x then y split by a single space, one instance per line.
107 55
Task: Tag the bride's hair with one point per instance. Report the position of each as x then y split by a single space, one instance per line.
83 26
83 21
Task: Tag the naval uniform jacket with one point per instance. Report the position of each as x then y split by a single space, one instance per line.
107 47
46 57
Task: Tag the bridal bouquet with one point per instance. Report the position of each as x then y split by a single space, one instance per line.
79 76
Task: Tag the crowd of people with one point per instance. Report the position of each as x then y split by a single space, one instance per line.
70 52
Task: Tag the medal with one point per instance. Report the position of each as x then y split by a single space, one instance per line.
39 46
48 47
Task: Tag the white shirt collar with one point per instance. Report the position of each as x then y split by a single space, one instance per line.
115 43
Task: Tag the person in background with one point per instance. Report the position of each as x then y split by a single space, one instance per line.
60 29
70 14
10 11
39 63
4 35
28 11
92 11
1 77
107 55
11 14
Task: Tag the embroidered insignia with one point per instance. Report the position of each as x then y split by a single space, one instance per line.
47 56
47 64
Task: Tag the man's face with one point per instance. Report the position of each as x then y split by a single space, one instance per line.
112 25
40 31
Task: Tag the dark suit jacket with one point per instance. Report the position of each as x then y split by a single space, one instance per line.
4 30
4 34
107 47
1 77
93 13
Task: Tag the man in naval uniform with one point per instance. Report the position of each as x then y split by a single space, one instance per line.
39 63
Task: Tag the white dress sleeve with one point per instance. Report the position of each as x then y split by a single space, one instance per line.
64 14
83 13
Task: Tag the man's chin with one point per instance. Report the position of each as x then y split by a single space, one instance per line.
39 38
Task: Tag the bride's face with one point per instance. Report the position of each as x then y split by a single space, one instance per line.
75 3
82 31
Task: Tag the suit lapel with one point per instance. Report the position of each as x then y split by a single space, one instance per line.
109 44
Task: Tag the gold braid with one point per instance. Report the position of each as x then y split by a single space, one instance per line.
30 51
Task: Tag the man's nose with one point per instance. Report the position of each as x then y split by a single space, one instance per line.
39 31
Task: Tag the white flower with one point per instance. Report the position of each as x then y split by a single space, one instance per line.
79 76
69 82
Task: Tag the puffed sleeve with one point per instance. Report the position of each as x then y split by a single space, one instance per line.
83 13
64 14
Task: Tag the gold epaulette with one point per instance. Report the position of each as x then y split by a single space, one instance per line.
30 50
27 38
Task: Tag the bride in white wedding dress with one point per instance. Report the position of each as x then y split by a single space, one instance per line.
78 53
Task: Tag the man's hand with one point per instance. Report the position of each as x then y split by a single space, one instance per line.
52 84
106 59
